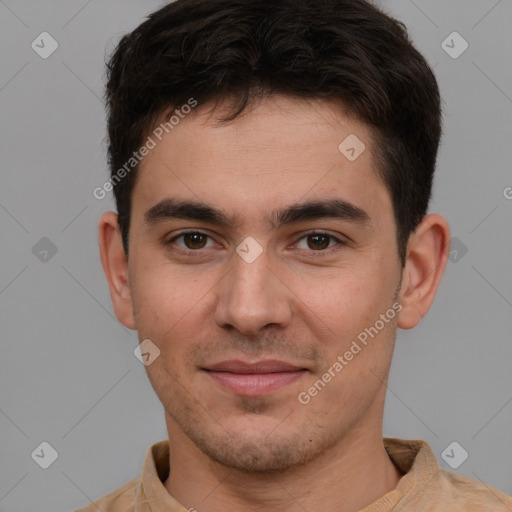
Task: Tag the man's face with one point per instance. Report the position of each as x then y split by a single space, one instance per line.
302 301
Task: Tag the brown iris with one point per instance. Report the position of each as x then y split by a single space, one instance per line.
319 241
194 240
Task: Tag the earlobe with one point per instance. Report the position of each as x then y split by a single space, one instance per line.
115 266
424 266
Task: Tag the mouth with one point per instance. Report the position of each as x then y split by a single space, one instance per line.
254 379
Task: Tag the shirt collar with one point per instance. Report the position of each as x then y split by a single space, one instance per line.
416 460
151 494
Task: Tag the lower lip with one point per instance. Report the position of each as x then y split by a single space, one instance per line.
254 384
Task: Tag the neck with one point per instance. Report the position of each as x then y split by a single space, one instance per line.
346 478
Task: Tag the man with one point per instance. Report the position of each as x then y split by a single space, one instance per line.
272 165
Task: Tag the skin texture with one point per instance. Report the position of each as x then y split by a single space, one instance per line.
296 303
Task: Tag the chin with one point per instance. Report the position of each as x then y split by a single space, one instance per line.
254 451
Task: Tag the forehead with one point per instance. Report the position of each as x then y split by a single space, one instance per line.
279 151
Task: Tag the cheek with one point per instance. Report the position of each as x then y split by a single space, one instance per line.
166 295
162 310
345 300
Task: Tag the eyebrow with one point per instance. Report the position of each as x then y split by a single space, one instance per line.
172 208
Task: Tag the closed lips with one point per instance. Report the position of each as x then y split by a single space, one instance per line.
259 367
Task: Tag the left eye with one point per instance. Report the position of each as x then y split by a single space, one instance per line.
319 241
192 240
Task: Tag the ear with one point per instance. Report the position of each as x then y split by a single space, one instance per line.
427 254
115 266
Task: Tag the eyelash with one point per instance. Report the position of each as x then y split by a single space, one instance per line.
320 252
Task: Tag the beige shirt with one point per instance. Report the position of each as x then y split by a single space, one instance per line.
423 487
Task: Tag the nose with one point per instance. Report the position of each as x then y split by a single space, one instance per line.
252 297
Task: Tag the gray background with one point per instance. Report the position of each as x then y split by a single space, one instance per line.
68 375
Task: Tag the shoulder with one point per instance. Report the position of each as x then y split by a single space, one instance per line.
427 487
120 500
463 493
